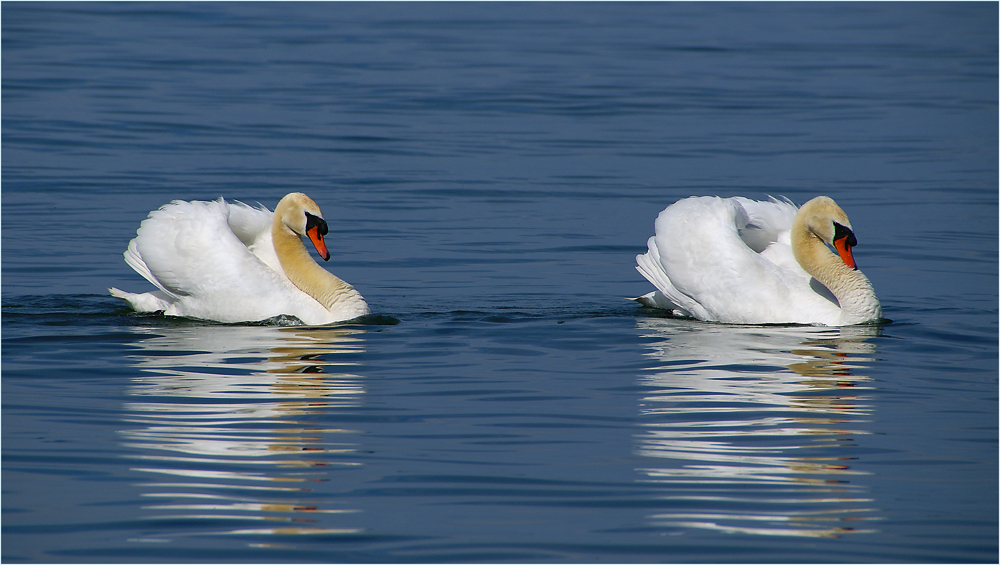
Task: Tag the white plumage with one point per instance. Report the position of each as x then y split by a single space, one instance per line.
218 261
734 260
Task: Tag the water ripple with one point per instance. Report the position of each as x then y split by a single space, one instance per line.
749 428
216 426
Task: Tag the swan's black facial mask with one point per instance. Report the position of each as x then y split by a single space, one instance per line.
316 228
316 222
844 240
840 232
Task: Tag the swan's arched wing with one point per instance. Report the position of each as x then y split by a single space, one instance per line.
703 254
189 248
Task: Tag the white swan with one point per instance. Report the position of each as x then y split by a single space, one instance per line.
234 263
741 261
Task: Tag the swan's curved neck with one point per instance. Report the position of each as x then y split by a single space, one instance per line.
852 288
304 272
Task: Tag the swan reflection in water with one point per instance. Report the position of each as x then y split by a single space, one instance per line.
751 427
221 422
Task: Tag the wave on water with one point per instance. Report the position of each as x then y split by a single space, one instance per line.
84 308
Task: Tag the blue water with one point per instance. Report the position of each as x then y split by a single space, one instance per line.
489 172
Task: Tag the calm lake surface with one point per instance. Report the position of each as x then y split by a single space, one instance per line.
489 172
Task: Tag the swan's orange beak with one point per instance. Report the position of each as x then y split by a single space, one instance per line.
316 228
317 239
844 240
845 252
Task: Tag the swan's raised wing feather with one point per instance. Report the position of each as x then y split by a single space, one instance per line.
248 223
253 227
765 221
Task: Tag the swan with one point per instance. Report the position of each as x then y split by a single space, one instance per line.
235 263
742 261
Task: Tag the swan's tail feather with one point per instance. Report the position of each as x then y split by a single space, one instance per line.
147 302
656 299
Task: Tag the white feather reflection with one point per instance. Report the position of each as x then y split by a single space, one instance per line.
222 424
748 426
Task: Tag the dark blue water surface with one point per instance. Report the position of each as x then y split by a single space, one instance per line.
489 172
